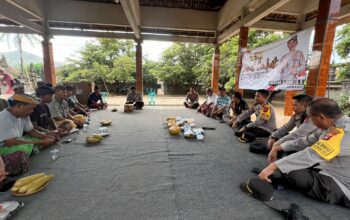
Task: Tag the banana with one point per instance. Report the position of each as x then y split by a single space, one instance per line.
23 181
98 137
35 185
14 189
92 140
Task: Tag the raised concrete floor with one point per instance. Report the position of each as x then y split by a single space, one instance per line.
141 172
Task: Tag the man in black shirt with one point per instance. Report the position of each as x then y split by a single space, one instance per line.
238 106
95 99
41 117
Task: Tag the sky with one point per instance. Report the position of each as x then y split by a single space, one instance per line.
64 47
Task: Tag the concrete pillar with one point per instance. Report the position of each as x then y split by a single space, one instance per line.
326 23
215 69
49 65
242 44
139 74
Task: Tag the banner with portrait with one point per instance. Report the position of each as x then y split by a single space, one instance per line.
277 66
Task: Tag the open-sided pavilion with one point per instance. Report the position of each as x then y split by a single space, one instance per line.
200 21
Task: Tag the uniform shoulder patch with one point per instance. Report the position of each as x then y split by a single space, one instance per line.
265 112
328 146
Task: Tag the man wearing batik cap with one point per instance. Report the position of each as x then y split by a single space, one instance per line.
15 147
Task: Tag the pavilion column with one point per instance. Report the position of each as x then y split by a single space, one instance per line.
242 44
49 65
139 74
215 70
328 11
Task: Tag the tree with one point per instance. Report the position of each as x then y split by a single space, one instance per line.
17 40
343 50
107 60
185 63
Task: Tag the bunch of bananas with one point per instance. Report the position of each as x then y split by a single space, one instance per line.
30 184
94 139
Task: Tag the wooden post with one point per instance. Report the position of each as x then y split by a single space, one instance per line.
49 65
326 23
215 71
139 74
242 44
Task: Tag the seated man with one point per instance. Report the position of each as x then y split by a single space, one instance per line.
18 88
299 120
41 116
191 100
60 111
14 147
222 104
3 103
238 106
95 100
134 98
265 121
209 104
74 104
321 169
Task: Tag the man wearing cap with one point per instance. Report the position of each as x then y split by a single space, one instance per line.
321 170
222 104
18 88
134 98
14 147
59 109
293 63
41 116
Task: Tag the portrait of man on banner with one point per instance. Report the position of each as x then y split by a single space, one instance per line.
293 63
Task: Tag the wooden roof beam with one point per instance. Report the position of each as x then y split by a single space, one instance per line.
251 18
18 16
132 12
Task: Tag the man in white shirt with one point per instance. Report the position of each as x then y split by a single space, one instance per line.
14 122
207 107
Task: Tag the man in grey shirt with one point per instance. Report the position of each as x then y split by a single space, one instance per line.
325 161
265 121
299 120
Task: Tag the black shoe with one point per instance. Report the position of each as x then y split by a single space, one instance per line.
238 134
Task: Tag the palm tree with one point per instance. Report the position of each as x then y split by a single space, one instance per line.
17 40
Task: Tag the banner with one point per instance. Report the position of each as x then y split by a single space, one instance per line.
277 66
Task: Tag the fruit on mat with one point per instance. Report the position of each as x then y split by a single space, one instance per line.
175 130
106 122
98 137
171 118
35 185
14 189
23 181
92 140
80 118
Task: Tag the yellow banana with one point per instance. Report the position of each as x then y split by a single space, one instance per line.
23 181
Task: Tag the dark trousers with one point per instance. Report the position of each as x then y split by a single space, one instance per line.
255 132
194 106
138 104
317 186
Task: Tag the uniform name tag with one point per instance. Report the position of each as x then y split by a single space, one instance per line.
265 112
329 146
